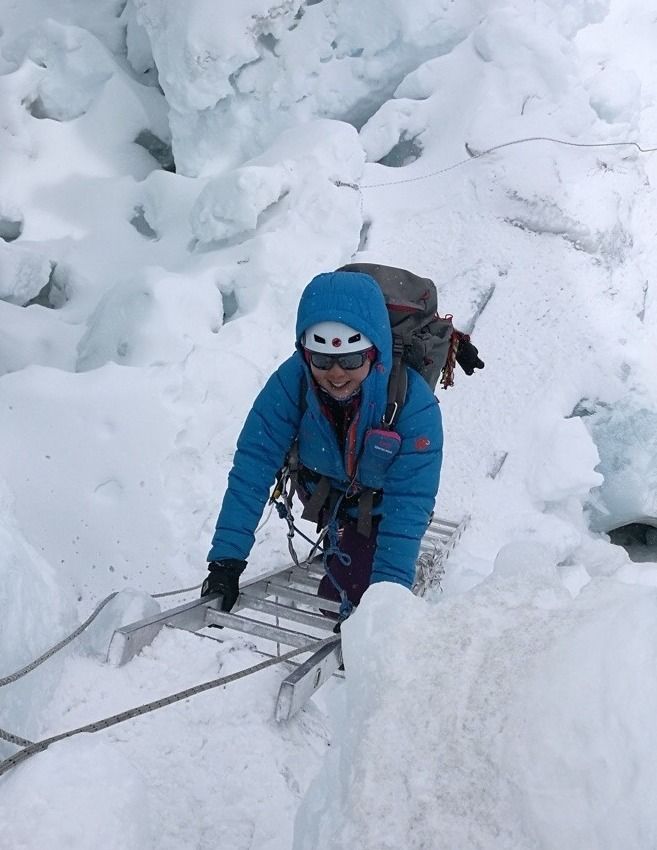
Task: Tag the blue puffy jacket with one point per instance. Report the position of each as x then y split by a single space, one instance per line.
279 416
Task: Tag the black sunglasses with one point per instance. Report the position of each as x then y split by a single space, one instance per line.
353 360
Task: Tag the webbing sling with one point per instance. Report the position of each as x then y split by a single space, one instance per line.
322 495
365 506
318 499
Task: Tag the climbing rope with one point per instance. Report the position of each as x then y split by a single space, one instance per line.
473 155
38 746
333 548
6 680
283 502
176 592
18 674
15 739
266 519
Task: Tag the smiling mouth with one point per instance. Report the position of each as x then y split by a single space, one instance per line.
339 389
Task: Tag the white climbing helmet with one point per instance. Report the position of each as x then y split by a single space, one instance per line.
334 338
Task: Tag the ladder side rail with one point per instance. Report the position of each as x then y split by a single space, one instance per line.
306 679
127 641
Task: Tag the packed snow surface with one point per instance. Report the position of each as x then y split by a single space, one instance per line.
171 176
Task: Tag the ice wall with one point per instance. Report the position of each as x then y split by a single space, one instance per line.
626 436
512 716
37 609
235 80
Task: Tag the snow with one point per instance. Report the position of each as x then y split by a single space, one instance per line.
480 690
142 308
23 273
62 813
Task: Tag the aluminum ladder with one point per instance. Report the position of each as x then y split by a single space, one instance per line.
281 607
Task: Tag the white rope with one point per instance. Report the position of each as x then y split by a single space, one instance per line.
478 154
265 520
176 592
10 737
15 739
146 708
18 674
12 677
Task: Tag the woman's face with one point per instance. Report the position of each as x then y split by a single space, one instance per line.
338 382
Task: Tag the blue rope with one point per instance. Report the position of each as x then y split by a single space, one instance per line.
333 548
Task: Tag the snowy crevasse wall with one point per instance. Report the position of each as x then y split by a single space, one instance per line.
509 717
183 254
34 608
106 258
576 279
547 256
235 79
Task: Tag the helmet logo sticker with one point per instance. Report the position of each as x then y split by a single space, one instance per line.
336 342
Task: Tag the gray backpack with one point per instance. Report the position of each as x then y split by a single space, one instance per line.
421 338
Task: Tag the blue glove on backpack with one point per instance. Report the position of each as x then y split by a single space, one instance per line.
223 577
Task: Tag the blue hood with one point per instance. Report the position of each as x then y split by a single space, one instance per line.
354 299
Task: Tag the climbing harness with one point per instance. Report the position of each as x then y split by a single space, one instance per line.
329 535
281 498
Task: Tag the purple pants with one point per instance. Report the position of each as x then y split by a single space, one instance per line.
355 578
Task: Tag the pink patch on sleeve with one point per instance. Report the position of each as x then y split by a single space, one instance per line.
422 443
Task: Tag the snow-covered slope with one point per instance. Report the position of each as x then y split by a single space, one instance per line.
170 178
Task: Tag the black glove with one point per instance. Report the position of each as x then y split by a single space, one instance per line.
467 356
223 577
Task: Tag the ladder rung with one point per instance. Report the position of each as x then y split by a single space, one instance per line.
442 535
273 588
294 575
316 563
287 612
302 577
433 543
446 523
313 569
252 627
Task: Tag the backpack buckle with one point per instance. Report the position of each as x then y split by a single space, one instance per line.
388 419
